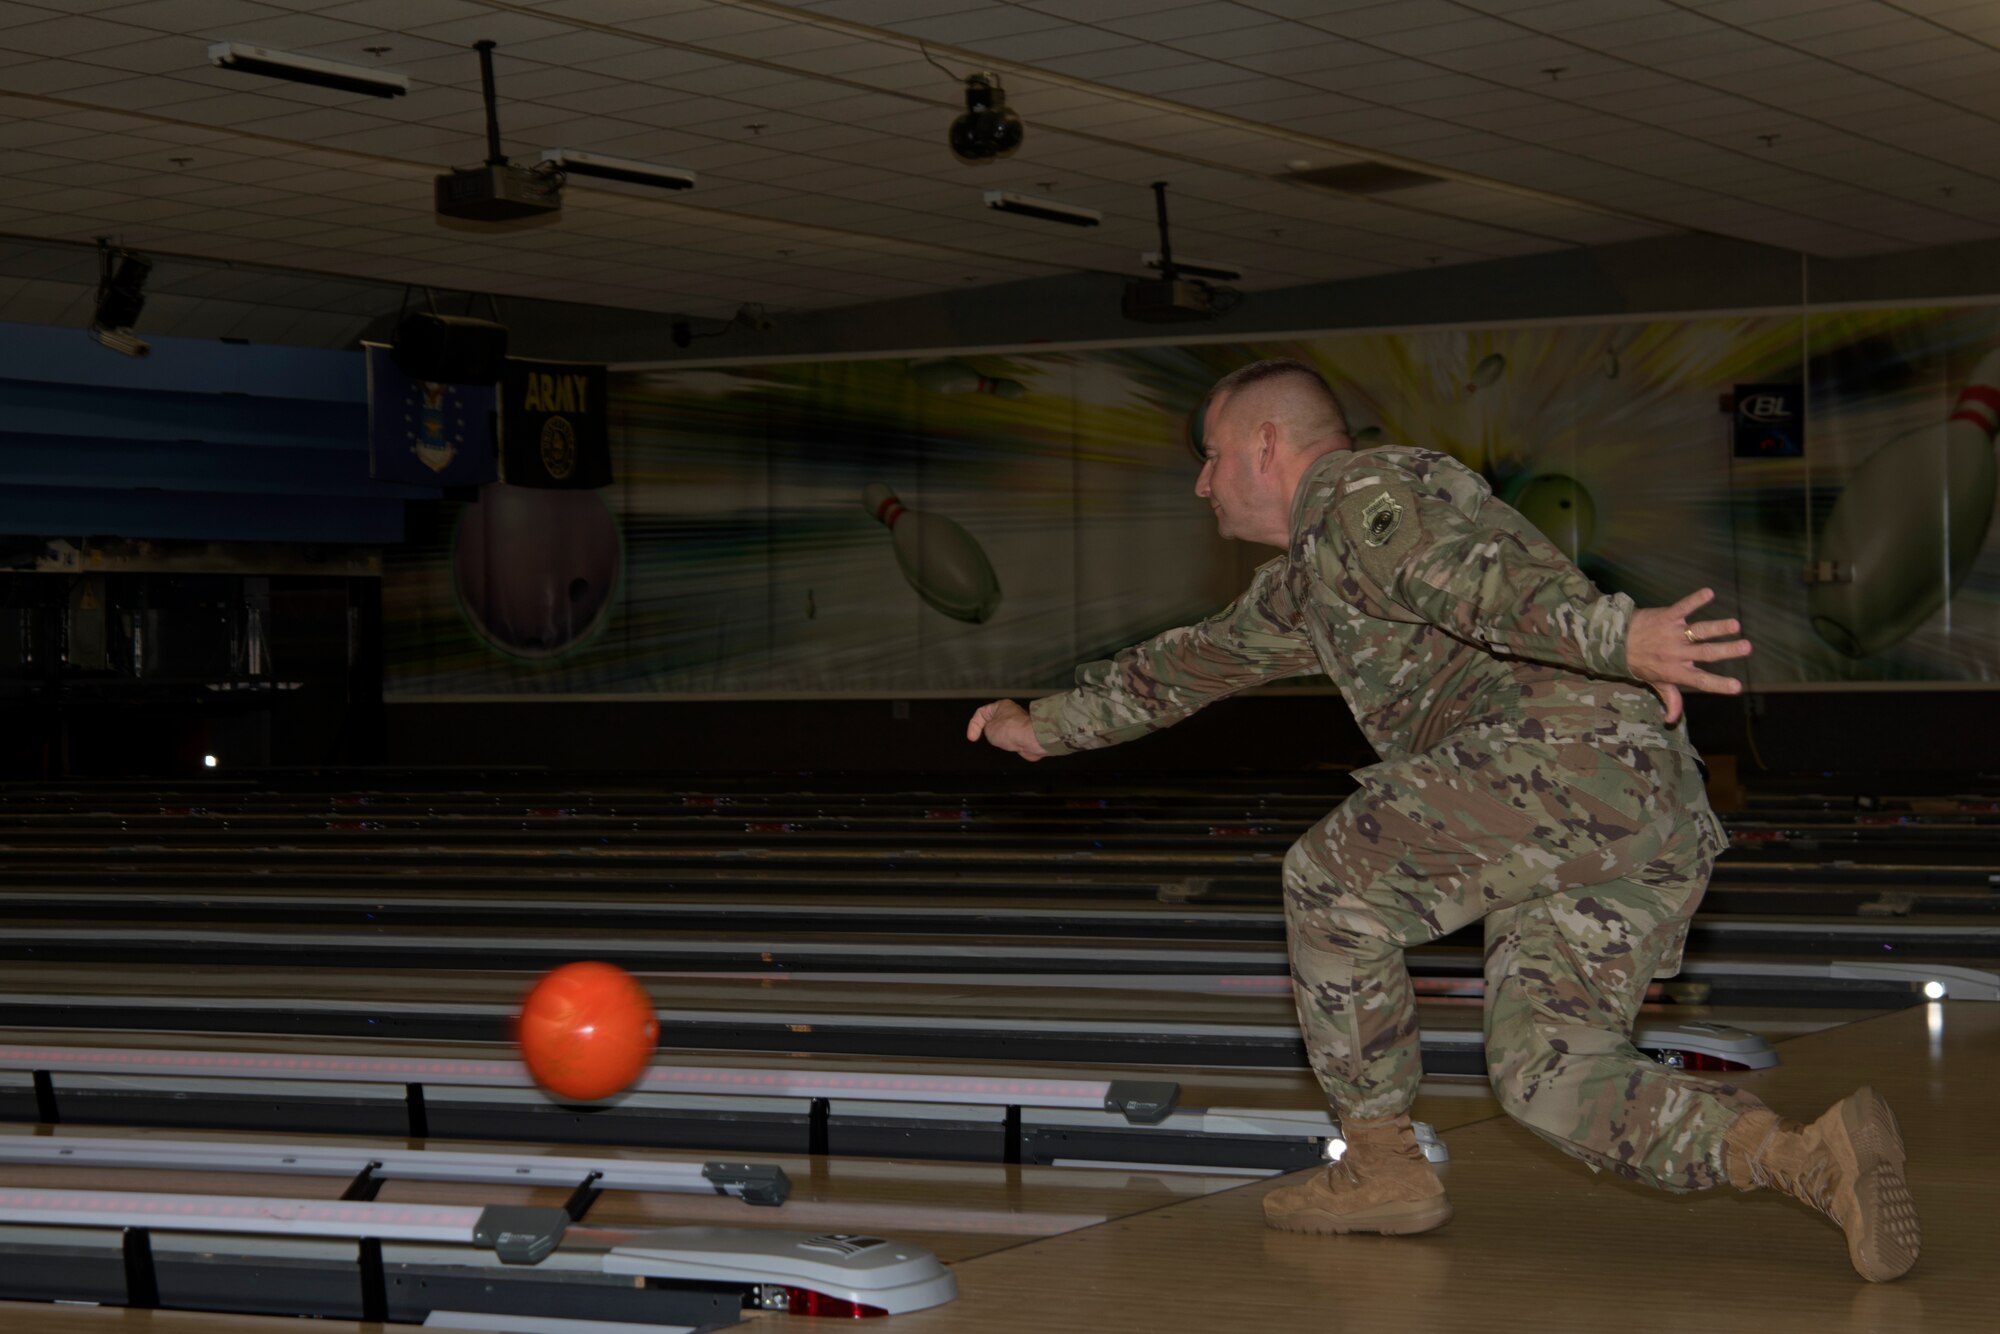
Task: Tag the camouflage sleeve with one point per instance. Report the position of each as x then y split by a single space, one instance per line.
1445 550
1259 637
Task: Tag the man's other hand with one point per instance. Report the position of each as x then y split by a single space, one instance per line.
1007 725
1665 650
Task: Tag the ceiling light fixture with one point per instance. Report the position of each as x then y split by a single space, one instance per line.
246 59
575 162
1048 210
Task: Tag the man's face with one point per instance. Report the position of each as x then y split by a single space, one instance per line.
1228 473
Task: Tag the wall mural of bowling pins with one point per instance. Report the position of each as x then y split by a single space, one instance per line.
1901 574
975 522
944 564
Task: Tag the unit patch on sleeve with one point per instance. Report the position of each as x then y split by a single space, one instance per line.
1382 523
1380 519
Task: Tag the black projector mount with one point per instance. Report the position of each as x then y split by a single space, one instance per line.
497 191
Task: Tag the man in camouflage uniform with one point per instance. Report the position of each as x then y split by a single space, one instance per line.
1527 777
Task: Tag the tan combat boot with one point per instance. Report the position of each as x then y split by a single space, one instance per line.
1381 1184
1848 1165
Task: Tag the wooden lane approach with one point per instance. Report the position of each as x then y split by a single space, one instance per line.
1540 1245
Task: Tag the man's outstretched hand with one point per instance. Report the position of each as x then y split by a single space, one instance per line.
1665 650
1007 725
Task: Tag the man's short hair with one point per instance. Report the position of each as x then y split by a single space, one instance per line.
1272 368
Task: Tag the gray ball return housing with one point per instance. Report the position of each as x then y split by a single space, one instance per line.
356 1258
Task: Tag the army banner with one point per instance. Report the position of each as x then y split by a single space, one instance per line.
422 433
555 426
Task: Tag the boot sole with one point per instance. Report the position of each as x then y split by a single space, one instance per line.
1883 1238
1390 1220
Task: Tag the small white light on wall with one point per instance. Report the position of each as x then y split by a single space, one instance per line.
208 762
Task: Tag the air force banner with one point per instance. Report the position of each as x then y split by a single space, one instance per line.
422 433
555 426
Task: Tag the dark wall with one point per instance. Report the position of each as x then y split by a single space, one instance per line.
1281 733
1910 734
1939 732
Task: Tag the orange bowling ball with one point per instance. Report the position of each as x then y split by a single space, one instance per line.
587 1031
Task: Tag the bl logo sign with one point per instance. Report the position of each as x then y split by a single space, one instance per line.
1769 421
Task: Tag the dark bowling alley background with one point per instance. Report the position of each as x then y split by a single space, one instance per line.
738 598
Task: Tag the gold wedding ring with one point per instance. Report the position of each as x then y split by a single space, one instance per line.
1687 631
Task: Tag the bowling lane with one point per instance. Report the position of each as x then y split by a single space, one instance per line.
495 994
1101 905
746 1014
1443 1102
1219 953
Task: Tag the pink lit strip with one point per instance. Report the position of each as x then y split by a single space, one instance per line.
686 1079
237 1213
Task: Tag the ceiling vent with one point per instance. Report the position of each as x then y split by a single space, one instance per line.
1362 178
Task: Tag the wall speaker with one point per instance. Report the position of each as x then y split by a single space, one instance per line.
453 349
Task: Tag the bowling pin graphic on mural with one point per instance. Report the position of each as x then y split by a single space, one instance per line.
952 376
1907 527
1487 373
942 561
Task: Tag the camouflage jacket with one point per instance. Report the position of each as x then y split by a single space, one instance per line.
1436 610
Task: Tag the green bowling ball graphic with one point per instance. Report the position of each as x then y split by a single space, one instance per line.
1559 508
535 571
1197 432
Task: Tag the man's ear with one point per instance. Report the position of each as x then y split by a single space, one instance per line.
1267 445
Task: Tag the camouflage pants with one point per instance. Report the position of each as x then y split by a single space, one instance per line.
1586 864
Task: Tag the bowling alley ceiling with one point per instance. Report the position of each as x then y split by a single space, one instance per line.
817 129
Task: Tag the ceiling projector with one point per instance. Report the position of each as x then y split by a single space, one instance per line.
1168 300
1174 296
496 190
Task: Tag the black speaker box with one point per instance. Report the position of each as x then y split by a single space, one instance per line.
453 349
